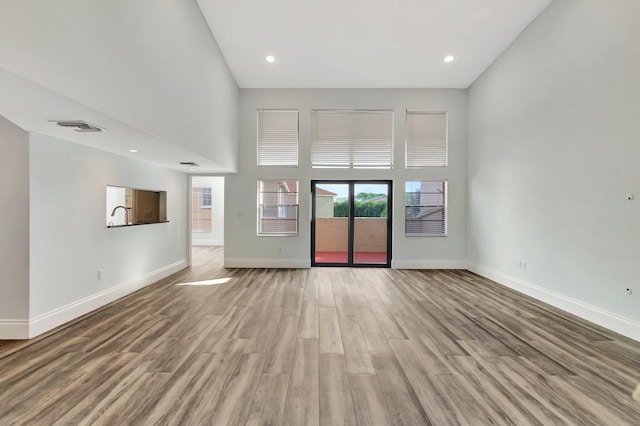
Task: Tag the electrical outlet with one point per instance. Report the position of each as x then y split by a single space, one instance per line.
100 274
517 264
523 266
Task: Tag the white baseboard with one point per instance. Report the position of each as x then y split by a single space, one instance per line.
429 264
14 329
52 319
606 319
267 263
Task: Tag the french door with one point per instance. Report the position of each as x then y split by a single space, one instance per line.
351 223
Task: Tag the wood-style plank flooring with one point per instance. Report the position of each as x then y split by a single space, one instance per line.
331 346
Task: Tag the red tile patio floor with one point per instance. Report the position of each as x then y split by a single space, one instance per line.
359 257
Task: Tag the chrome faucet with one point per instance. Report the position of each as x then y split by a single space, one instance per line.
126 213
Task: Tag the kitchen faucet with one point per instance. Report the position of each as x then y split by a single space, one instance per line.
126 213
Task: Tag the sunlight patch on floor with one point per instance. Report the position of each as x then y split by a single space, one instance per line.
208 282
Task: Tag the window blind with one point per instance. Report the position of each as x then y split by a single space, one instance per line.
426 139
278 138
425 208
277 207
352 139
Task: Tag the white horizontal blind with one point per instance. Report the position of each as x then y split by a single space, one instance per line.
426 139
278 207
278 138
352 139
425 208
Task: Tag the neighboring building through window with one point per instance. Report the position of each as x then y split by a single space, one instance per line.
277 207
201 218
278 138
426 139
325 203
425 208
359 139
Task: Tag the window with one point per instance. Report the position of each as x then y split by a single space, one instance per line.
352 139
206 198
278 138
426 139
277 207
201 209
425 208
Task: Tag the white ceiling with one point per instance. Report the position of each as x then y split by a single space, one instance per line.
32 107
150 72
364 43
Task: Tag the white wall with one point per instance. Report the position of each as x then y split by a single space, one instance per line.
152 64
69 240
244 248
554 149
216 236
116 196
14 229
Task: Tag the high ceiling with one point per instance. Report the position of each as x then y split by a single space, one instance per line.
364 43
150 72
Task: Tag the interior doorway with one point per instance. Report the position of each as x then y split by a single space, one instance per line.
351 223
207 211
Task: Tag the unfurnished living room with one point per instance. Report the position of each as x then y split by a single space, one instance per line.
338 212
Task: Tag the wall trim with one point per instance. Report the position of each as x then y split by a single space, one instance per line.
52 319
429 264
625 326
11 329
267 263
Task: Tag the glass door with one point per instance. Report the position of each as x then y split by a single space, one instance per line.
370 242
330 223
351 223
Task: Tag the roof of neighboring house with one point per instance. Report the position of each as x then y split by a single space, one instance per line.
320 191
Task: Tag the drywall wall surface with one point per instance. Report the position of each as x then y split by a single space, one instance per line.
152 64
554 151
241 242
69 238
215 237
14 223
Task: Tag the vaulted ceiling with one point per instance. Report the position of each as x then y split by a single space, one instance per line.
152 74
364 43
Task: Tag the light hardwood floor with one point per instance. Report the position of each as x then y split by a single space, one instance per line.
331 346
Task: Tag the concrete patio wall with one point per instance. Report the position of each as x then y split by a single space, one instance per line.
332 234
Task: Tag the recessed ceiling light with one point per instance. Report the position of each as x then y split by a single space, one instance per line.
449 59
270 59
133 150
191 169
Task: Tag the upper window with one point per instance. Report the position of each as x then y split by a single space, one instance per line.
352 139
277 138
426 139
277 207
425 208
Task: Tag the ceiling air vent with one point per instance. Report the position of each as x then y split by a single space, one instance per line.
78 125
189 164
